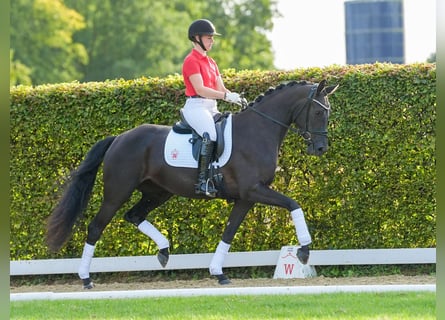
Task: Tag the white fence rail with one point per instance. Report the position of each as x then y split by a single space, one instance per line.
233 259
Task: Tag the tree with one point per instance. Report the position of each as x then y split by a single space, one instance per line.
128 39
95 40
431 58
244 27
18 73
42 40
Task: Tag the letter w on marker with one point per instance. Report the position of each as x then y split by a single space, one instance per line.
288 268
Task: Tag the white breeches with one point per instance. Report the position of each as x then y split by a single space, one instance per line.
199 114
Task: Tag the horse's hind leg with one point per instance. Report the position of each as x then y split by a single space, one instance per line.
137 216
95 229
116 194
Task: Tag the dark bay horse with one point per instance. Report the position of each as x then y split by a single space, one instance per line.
134 160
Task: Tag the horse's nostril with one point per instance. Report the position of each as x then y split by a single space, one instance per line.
322 149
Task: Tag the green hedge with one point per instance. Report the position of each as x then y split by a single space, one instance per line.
374 188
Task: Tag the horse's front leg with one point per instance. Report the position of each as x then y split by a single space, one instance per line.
137 216
237 216
261 193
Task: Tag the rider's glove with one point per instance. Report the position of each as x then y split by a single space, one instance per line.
233 97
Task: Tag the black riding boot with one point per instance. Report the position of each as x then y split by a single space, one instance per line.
205 185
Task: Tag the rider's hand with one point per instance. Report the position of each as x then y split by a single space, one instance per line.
233 97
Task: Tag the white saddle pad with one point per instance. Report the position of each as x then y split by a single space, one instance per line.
178 149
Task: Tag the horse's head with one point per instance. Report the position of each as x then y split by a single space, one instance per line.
314 116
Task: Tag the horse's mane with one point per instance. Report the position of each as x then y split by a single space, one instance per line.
272 90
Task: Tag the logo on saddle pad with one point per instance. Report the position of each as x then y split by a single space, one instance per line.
178 148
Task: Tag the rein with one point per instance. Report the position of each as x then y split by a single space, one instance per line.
306 133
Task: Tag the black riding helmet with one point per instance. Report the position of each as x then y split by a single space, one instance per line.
201 27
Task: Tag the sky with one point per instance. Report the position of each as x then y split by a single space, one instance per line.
311 33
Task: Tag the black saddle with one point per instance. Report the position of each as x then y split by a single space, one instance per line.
182 127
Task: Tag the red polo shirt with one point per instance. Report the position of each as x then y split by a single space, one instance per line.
195 63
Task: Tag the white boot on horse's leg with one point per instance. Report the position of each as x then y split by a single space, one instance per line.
217 262
303 235
84 268
162 242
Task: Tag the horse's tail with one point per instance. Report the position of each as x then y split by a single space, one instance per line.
76 196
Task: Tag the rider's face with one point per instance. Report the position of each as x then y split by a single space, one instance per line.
207 41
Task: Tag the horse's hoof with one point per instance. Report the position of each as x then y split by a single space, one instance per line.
163 255
87 283
303 254
222 279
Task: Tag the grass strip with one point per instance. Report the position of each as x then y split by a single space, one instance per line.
357 306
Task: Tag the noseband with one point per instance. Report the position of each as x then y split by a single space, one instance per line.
306 133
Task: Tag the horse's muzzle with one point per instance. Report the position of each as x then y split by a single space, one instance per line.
317 148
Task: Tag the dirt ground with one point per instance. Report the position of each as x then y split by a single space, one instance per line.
75 285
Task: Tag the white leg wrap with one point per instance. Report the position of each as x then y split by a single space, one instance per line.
87 256
149 230
304 238
218 258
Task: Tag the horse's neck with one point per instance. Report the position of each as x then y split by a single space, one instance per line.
267 125
280 107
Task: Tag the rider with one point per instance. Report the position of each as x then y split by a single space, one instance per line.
203 86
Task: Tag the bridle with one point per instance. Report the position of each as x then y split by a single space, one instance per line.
306 133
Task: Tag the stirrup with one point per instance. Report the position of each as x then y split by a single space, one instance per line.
207 188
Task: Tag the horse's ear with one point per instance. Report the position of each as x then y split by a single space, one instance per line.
331 89
321 86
